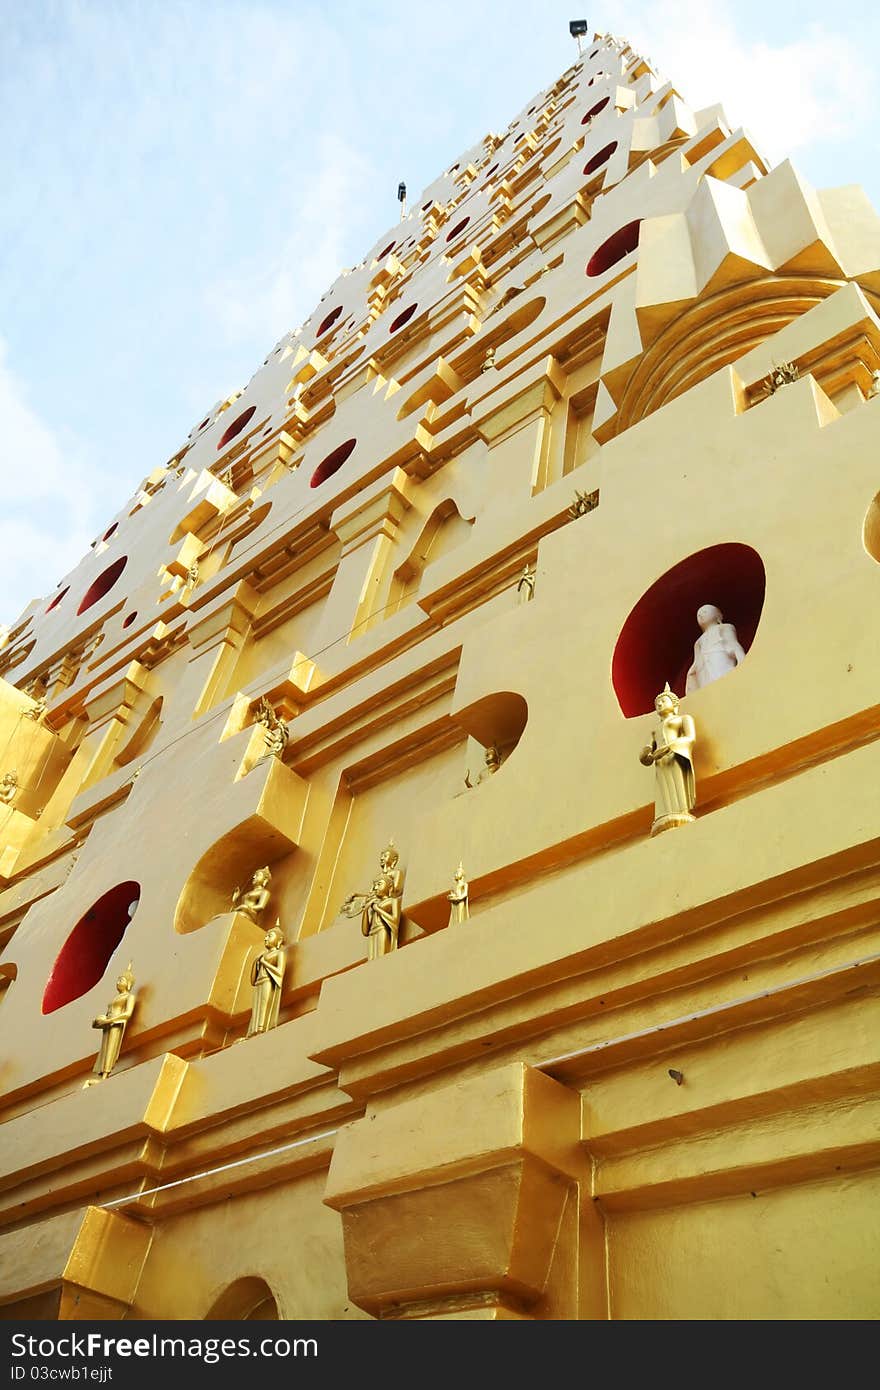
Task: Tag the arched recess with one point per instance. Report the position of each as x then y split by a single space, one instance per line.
600 157
403 318
871 529
328 322
8 973
246 1300
499 719
86 953
594 110
226 865
143 733
516 321
261 812
712 332
332 463
445 529
656 643
614 248
58 598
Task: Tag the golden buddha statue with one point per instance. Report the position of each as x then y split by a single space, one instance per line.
267 978
277 729
490 767
525 589
255 899
458 898
380 909
113 1024
670 753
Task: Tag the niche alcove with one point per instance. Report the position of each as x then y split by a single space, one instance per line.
102 585
236 427
86 953
614 248
656 643
871 529
332 463
499 719
246 1300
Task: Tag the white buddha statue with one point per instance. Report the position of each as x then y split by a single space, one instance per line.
716 651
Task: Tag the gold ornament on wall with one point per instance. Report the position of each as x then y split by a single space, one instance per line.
782 375
583 504
277 729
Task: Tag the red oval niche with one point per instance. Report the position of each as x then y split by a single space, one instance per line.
457 229
594 110
656 643
57 599
237 426
601 158
332 463
329 320
86 953
624 240
102 585
403 318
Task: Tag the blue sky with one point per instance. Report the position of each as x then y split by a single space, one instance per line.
185 178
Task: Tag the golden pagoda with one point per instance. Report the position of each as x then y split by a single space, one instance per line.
462 759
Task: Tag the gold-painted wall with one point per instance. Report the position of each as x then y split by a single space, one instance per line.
196 1257
801 1252
640 1081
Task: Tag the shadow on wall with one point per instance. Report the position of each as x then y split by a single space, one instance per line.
445 529
143 733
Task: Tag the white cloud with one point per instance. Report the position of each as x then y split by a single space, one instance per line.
816 85
47 511
314 228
